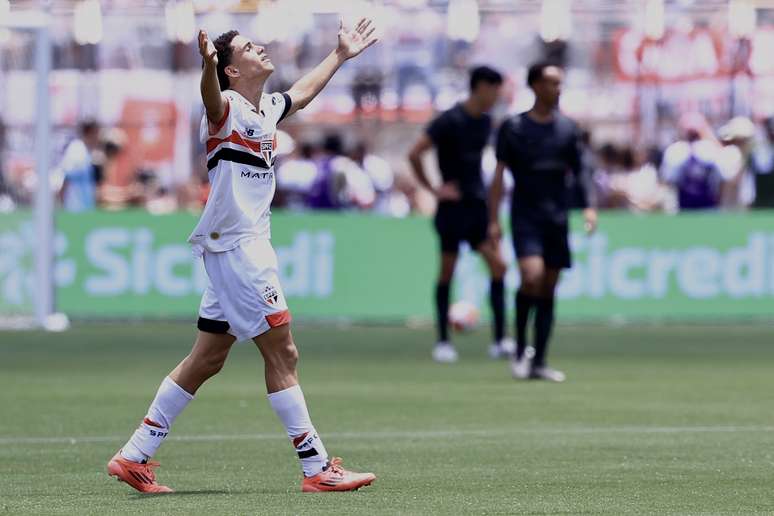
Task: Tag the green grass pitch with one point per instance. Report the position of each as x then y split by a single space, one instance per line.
653 420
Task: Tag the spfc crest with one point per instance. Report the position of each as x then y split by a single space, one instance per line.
267 150
270 295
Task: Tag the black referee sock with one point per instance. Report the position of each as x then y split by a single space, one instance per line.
544 322
524 304
442 310
497 300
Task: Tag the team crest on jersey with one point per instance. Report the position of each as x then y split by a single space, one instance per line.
270 295
267 149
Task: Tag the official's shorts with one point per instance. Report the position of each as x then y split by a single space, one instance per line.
243 296
462 221
542 238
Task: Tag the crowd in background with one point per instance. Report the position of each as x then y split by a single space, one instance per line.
731 167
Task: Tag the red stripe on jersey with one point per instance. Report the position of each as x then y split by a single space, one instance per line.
278 319
214 128
235 138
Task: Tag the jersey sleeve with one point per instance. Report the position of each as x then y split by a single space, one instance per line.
279 106
208 130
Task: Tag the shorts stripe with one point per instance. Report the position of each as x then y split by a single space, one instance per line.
279 319
212 326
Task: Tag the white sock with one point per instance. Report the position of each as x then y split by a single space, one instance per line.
169 402
290 406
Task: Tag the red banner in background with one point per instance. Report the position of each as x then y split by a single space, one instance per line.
701 53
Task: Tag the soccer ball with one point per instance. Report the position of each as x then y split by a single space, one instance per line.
463 316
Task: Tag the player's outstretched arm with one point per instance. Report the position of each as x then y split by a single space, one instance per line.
214 102
495 196
351 43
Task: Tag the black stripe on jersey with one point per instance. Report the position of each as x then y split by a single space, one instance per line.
245 158
288 104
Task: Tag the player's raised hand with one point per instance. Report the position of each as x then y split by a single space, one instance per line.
207 49
353 41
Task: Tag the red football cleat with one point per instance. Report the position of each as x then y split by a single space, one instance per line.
336 478
139 476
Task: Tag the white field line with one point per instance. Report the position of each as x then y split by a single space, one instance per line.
407 435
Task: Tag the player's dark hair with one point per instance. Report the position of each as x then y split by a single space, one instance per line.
535 72
87 127
225 53
484 74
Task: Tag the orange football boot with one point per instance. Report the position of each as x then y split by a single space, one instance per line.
336 478
139 476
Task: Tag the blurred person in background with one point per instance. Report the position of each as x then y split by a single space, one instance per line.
296 175
243 299
388 200
459 136
736 136
762 167
7 202
542 149
695 166
79 190
340 183
631 181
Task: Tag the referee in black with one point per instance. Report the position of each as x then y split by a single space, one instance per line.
542 149
459 136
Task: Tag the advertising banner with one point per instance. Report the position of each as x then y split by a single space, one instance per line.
369 268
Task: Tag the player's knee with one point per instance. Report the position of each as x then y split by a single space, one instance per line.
532 284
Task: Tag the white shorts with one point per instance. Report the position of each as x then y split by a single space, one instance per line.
243 291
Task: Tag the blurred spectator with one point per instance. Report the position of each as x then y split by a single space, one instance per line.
77 165
295 177
762 167
339 183
7 203
736 137
636 186
389 201
695 166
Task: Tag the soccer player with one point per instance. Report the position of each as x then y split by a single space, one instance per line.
243 299
541 148
459 136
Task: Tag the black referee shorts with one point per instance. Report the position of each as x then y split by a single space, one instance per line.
542 238
461 221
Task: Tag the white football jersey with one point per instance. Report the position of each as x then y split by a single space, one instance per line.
240 164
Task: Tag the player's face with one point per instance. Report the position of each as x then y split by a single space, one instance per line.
487 94
549 88
250 59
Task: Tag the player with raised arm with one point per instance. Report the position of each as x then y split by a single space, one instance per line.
541 148
459 136
243 299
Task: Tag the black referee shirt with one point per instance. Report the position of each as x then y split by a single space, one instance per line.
459 141
543 158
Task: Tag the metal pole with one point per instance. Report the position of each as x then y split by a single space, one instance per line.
44 213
